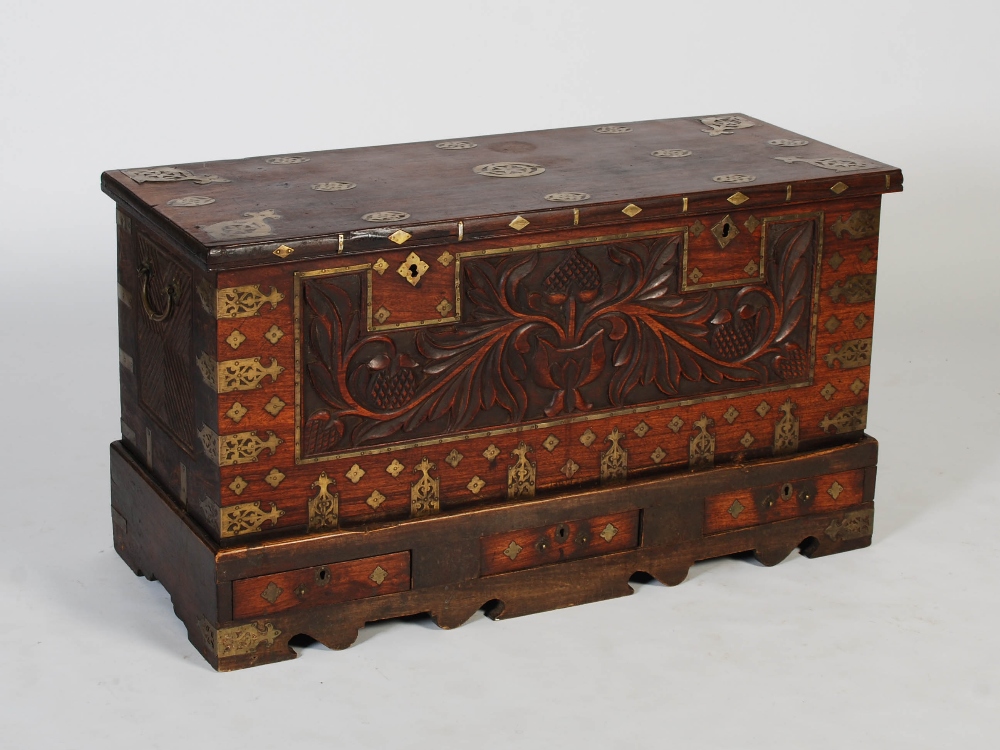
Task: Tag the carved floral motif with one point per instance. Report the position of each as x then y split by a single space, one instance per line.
550 335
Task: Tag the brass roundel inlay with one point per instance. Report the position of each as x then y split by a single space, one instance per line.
330 187
286 159
190 200
734 178
612 129
567 197
454 145
381 216
670 153
509 169
788 142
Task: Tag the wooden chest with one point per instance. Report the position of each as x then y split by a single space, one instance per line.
513 369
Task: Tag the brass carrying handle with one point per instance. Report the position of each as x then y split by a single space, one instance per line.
145 273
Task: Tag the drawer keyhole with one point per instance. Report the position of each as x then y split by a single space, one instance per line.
725 229
786 492
561 533
414 271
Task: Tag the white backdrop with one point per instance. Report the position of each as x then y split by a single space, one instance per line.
892 646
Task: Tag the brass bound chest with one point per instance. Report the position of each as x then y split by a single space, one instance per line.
513 369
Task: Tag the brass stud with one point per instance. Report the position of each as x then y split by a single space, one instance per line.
697 228
274 406
475 485
588 437
736 508
519 223
454 458
236 412
866 254
274 477
235 339
570 468
857 386
399 236
762 409
382 314
751 268
838 188
550 443
394 468
675 424
379 575
695 275
832 324
375 499
835 260
355 473
238 485
491 452
751 224
380 266
284 251
835 489
641 429
828 391
513 550
631 210
443 307
747 440
445 258
609 533
658 455
274 334
738 198
731 414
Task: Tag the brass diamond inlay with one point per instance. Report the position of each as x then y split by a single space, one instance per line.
857 386
445 258
747 440
832 324
835 489
697 228
731 414
609 532
271 592
736 508
394 468
375 499
866 254
380 266
828 391
274 406
355 473
236 412
238 485
641 429
763 408
453 458
235 339
284 251
588 437
491 452
658 455
725 230
513 550
550 443
751 268
675 424
631 210
835 260
737 198
443 307
838 188
860 321
412 269
399 236
695 275
519 223
382 315
570 468
475 485
274 334
379 575
751 224
274 477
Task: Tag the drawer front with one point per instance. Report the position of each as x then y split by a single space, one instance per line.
322 584
778 502
529 548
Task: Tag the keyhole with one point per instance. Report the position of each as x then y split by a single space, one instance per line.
561 533
414 270
786 492
725 229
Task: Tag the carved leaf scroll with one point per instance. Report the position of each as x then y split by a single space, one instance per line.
550 335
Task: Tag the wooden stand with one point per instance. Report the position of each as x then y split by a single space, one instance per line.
242 604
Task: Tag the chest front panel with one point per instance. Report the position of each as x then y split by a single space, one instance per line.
401 383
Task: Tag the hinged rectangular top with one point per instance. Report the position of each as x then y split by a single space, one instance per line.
239 211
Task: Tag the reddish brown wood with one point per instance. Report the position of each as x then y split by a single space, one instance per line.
321 585
519 549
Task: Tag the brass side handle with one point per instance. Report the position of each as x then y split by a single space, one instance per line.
169 290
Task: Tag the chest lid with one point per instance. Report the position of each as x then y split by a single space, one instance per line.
263 209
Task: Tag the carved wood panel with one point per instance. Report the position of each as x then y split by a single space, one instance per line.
551 336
